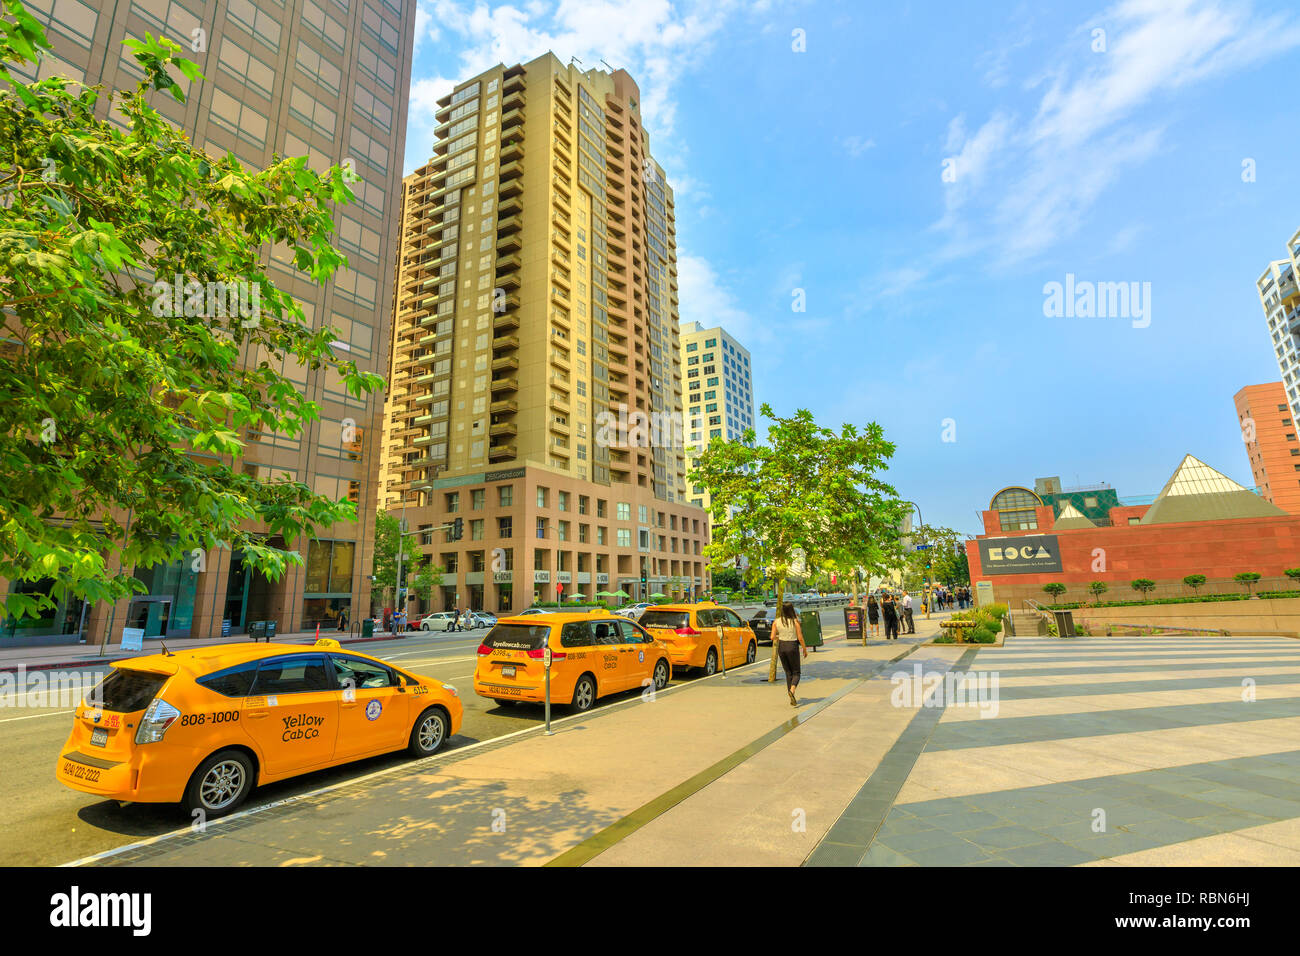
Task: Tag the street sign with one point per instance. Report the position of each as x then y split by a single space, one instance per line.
924 547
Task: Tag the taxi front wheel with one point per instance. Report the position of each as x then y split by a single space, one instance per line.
428 733
220 784
711 662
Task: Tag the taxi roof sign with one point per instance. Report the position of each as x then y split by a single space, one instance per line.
328 642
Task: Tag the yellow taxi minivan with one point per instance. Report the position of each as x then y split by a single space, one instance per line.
691 633
203 727
593 655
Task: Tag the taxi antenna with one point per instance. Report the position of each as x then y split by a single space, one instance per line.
166 653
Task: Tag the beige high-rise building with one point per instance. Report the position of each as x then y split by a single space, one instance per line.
719 398
535 388
326 79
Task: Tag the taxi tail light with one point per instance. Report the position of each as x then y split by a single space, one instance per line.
686 632
539 653
157 718
484 650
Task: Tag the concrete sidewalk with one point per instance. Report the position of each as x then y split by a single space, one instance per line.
638 781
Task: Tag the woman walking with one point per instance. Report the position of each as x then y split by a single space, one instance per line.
890 613
873 616
787 636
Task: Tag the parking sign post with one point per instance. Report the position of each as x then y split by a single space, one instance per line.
546 662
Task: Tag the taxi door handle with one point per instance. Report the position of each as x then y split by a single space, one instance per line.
255 714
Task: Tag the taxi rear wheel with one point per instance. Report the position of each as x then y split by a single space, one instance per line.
584 693
752 654
661 674
221 783
711 662
429 733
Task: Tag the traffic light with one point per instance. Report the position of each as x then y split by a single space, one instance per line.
457 529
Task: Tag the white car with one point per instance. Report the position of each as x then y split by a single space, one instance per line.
634 611
531 610
437 622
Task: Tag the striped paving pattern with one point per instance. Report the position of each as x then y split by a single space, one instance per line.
1105 751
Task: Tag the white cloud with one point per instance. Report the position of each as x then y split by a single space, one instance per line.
706 300
858 146
656 41
1024 184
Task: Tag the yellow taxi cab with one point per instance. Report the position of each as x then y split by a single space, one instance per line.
691 633
592 655
203 727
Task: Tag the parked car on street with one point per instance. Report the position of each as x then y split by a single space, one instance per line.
437 622
761 624
634 611
207 725
479 619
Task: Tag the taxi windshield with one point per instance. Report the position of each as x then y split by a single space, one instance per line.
517 637
673 619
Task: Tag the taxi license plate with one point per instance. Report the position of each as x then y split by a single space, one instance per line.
508 670
99 737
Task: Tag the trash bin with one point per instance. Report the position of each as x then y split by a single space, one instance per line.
368 627
812 628
1064 623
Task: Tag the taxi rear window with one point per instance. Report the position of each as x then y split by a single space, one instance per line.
673 619
125 691
234 681
517 637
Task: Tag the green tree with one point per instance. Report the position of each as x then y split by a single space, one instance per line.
387 528
1247 580
1194 581
1097 589
428 578
1293 574
1142 585
808 493
1055 589
122 427
728 579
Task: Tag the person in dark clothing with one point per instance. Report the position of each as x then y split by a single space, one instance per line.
787 636
873 616
890 613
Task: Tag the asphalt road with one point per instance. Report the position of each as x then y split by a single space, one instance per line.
44 823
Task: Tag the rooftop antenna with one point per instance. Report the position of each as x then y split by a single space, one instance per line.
573 59
608 67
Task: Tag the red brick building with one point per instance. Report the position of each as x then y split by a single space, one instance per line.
1202 522
1272 444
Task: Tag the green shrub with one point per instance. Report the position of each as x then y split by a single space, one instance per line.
981 636
945 639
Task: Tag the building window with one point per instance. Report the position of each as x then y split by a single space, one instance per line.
505 527
476 529
541 497
625 537
624 511
562 500
541 527
476 498
453 502
600 508
506 495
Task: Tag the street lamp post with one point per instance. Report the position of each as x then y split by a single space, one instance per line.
929 599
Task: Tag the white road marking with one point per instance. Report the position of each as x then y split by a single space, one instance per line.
56 713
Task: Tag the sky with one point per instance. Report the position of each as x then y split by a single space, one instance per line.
918 175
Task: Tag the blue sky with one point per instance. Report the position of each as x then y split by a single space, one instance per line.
1115 157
